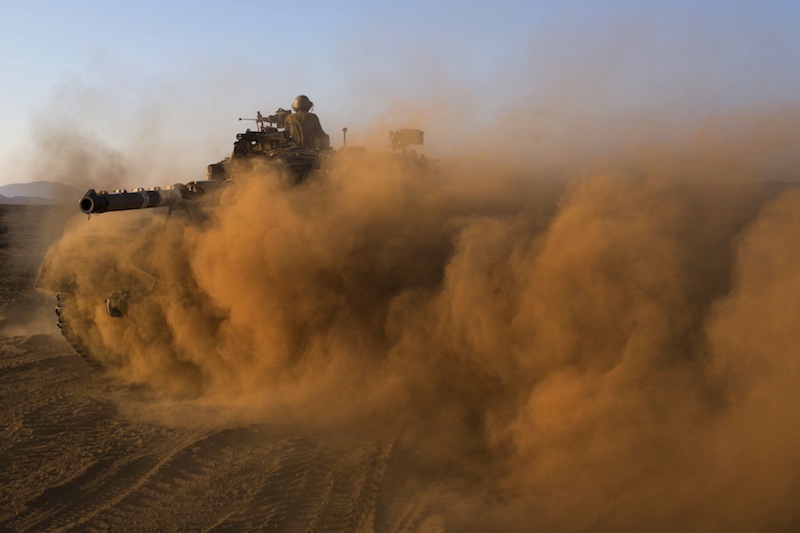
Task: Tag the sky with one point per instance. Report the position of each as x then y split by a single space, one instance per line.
165 82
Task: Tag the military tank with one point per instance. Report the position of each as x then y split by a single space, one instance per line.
80 310
270 143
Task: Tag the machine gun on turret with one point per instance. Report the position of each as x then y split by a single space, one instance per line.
271 122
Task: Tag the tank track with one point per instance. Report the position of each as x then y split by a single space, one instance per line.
72 338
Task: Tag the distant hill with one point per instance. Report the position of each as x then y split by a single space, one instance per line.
39 193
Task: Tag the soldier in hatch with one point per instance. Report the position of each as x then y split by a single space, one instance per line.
304 127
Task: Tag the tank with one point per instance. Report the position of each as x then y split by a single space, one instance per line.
82 307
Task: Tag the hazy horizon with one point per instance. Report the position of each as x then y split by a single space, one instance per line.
148 94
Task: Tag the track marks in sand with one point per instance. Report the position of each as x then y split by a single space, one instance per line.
71 459
246 479
310 486
101 486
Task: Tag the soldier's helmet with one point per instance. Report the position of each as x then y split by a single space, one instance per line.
302 102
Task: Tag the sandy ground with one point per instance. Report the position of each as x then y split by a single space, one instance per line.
627 361
79 451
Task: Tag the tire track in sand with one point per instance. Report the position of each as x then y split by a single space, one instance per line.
99 487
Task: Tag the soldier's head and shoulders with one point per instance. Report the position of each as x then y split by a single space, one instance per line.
304 126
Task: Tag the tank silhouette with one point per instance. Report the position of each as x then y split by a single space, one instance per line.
269 145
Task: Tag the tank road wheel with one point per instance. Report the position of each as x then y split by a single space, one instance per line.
72 337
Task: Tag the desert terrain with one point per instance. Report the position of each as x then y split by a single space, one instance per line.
614 353
82 451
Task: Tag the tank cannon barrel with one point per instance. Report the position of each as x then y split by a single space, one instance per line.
101 201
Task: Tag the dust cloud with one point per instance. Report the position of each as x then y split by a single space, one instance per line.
609 348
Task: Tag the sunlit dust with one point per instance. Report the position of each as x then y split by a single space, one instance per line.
614 347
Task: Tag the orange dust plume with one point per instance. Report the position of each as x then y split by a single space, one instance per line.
611 347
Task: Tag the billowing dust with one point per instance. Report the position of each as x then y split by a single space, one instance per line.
617 348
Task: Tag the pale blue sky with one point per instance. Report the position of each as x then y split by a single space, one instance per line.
133 73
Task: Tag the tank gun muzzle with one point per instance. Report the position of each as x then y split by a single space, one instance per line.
102 201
